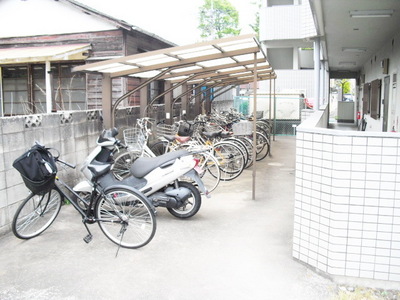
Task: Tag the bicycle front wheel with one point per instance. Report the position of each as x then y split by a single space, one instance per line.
126 218
36 214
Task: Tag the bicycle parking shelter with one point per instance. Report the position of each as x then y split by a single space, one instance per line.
218 64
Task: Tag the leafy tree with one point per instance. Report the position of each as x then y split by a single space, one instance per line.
256 25
346 86
218 18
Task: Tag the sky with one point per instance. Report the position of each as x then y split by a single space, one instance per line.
174 20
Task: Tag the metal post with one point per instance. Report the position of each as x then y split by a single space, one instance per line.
49 91
317 74
254 126
106 90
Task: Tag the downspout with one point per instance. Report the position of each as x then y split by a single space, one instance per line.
1 94
317 74
49 91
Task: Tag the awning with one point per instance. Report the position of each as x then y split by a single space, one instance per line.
225 61
45 53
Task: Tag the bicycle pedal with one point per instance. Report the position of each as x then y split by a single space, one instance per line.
88 238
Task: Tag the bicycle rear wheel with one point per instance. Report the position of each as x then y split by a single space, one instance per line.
126 218
231 160
36 214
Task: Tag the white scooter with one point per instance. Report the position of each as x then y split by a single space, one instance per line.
159 178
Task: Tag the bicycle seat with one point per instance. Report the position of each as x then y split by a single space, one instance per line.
182 139
144 165
98 169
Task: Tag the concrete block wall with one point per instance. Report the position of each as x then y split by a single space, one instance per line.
73 133
347 203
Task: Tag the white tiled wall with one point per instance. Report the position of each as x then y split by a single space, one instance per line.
347 203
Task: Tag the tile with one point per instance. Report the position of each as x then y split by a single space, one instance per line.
359 141
381 276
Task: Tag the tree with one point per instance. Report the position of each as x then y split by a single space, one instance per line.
218 18
256 25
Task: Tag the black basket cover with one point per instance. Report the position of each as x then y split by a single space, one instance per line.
38 169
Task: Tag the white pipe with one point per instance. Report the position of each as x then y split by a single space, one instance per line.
49 90
317 75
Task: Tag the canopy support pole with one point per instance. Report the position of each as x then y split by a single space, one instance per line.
49 90
254 125
106 91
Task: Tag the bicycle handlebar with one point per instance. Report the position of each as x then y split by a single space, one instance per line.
65 163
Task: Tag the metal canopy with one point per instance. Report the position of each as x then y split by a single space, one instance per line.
225 59
224 62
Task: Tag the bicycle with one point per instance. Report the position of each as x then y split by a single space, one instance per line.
123 214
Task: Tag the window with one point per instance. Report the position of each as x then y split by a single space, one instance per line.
24 89
375 99
366 96
15 91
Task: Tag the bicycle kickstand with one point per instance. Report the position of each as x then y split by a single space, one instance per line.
89 237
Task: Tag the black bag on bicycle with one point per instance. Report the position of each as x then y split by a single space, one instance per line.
38 169
185 129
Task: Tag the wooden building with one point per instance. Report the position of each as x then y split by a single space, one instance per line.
38 52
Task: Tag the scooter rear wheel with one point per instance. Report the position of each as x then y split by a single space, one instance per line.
191 205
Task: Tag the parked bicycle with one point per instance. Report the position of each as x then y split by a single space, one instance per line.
123 214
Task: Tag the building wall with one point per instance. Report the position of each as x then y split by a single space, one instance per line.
372 70
347 201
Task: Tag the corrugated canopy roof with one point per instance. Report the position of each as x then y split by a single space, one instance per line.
227 61
44 53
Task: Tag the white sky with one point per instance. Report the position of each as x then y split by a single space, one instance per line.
173 20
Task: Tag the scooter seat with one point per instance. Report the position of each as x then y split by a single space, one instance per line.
144 165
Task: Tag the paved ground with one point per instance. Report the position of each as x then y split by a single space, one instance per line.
234 248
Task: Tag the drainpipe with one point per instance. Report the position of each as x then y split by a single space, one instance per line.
317 74
1 94
49 90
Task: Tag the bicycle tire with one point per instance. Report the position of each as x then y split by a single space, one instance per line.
249 145
36 213
262 146
122 164
159 148
192 204
125 217
231 160
244 149
210 172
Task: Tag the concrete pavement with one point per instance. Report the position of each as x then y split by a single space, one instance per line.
234 248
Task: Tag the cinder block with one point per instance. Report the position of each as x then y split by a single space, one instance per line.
12 125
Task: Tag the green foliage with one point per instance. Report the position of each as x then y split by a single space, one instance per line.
218 18
256 25
346 87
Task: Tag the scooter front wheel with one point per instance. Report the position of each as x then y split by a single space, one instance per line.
191 205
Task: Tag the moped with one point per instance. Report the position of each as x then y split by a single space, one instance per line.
166 180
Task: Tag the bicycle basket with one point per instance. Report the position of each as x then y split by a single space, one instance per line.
165 129
134 139
38 169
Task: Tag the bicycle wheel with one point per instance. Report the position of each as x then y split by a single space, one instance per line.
244 149
262 146
209 173
36 214
249 145
126 218
191 205
122 164
159 148
231 160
